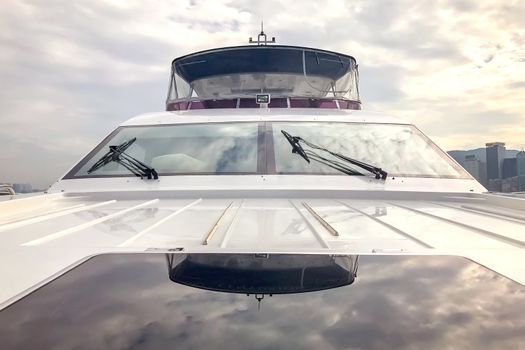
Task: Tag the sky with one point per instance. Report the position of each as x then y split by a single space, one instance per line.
71 71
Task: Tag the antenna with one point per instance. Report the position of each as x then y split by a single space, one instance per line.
259 299
262 38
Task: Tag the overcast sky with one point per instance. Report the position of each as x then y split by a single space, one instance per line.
71 71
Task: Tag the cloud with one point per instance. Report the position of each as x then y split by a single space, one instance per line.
405 302
72 71
517 85
381 84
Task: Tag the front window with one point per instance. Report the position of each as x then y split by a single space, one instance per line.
400 150
184 149
261 148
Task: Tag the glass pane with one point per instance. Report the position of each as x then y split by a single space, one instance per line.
172 95
330 75
397 149
183 88
346 86
196 148
130 301
281 72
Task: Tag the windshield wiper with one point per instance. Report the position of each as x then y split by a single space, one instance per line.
135 166
297 148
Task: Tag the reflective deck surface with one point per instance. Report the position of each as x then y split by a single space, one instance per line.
144 301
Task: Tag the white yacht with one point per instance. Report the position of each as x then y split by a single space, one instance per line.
263 179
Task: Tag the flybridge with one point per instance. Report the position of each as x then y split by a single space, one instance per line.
274 76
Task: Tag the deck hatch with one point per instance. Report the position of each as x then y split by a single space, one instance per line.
154 300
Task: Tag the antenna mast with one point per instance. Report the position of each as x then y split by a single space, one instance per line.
262 38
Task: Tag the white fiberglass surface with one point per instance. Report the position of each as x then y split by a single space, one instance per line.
250 148
36 248
398 149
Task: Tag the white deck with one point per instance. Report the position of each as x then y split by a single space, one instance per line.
43 235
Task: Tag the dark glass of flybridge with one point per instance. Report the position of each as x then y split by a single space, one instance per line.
138 301
282 72
266 59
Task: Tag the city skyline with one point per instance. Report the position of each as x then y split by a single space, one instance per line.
495 167
72 71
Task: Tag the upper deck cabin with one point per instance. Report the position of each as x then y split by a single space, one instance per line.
274 76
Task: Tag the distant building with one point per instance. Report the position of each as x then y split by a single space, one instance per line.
476 168
495 156
22 188
495 167
520 169
510 168
494 185
509 184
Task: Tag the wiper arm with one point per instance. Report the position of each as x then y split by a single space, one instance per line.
307 155
108 157
296 147
378 172
135 166
332 163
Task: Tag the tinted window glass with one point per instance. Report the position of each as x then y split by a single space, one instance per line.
234 148
189 148
144 301
398 149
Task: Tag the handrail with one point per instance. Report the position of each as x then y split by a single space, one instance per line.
249 102
6 190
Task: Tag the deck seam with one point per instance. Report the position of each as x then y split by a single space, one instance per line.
316 233
52 215
215 227
85 225
233 223
493 235
387 225
158 223
486 212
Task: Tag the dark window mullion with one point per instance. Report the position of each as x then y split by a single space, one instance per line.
270 150
261 149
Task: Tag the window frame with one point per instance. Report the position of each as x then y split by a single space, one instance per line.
266 159
260 166
462 173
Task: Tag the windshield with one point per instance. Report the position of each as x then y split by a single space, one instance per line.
183 149
401 150
261 148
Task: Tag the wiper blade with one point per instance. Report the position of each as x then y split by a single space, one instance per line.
108 157
135 166
378 172
308 154
296 147
332 164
